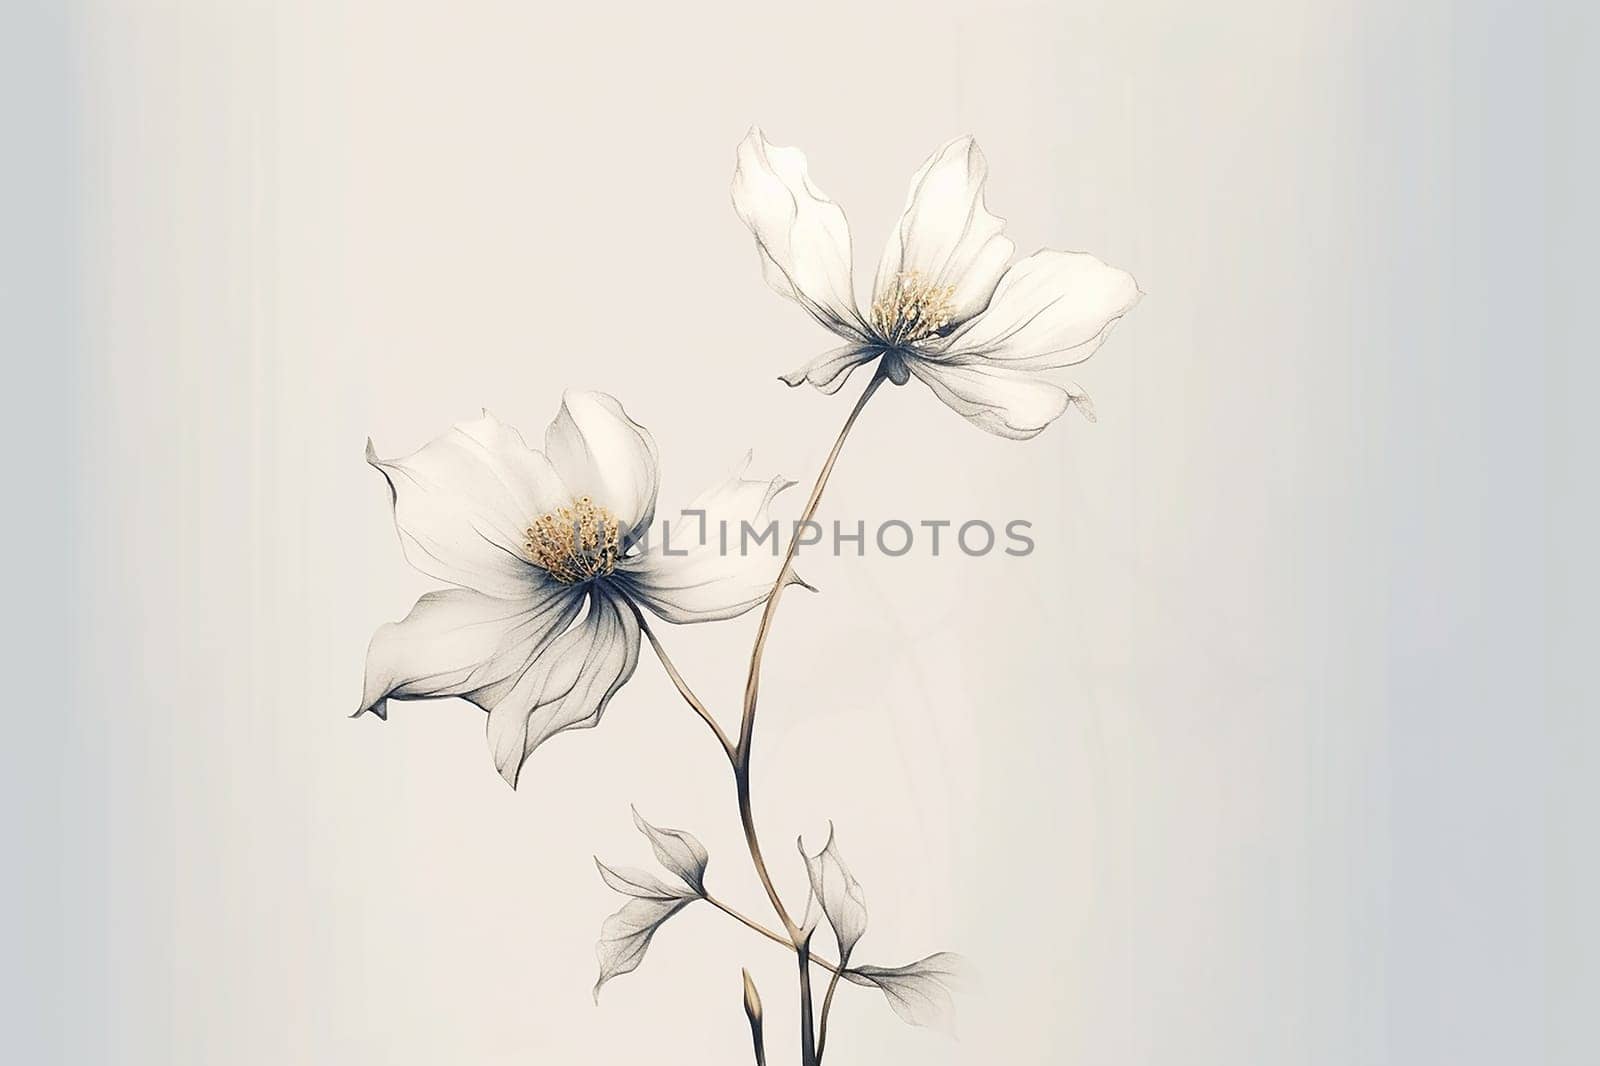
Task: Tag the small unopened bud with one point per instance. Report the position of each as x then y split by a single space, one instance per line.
752 998
752 1010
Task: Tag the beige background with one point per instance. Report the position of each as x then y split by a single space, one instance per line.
1270 754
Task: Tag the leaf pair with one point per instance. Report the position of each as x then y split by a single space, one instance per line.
919 992
626 935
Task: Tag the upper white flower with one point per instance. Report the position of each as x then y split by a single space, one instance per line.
548 555
944 306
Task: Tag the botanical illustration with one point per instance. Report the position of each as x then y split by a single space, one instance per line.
555 579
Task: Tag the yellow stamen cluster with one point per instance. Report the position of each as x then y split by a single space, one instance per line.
574 543
913 309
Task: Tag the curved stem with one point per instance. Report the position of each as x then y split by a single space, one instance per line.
813 1035
822 1020
683 688
747 722
741 779
753 681
741 752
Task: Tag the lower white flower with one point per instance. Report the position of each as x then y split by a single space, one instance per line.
549 558
945 308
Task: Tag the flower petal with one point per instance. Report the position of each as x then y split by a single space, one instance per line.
567 686
1080 400
801 235
716 561
830 370
1051 309
605 455
1007 403
457 642
946 233
463 502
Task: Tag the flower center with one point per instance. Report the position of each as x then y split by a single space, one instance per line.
913 309
574 543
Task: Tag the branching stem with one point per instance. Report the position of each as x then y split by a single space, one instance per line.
747 724
812 1038
771 934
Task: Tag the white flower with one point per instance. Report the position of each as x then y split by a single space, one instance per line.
944 307
548 557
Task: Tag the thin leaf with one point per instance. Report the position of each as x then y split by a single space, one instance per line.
919 992
626 936
837 893
678 851
639 884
